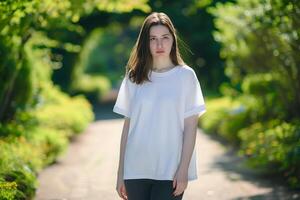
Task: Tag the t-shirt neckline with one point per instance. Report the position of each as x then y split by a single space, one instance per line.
161 74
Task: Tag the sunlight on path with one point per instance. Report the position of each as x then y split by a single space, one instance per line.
88 171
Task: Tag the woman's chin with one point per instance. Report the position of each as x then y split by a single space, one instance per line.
160 55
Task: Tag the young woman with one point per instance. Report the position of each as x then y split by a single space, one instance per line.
161 99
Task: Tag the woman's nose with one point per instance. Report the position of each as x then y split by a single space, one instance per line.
159 43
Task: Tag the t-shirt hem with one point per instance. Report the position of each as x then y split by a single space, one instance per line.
197 110
120 111
135 176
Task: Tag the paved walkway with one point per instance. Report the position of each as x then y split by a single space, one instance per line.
88 171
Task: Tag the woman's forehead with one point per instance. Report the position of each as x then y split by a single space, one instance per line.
159 30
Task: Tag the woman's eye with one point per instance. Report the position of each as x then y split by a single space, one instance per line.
166 37
151 39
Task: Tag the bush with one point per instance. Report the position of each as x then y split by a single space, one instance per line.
35 117
59 111
235 119
36 138
260 41
50 142
226 117
92 86
274 145
8 190
18 160
216 112
261 37
25 181
266 88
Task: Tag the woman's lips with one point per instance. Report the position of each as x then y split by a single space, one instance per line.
160 51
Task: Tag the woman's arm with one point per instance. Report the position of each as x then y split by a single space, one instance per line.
189 140
123 146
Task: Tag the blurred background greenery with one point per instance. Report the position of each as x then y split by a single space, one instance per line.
60 58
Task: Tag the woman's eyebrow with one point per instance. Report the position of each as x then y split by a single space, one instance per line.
161 35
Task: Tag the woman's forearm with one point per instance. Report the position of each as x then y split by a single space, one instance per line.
123 146
189 140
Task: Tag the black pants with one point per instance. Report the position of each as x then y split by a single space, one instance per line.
149 189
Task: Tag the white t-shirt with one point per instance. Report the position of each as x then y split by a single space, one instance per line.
157 110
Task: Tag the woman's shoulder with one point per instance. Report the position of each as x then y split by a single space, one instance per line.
128 79
130 84
186 71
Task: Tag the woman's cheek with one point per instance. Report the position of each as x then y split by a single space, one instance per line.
152 49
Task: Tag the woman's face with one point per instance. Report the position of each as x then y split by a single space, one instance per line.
161 41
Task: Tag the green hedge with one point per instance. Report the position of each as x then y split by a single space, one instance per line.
36 138
270 144
274 145
94 87
225 117
36 118
260 41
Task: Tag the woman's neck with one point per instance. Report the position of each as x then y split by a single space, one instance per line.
160 64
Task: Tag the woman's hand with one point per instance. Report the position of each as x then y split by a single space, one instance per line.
121 188
180 181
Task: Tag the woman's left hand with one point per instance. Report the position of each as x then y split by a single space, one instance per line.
180 181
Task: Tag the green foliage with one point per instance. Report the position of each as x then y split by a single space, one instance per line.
36 118
226 89
35 138
216 111
266 88
8 190
20 21
262 37
225 117
103 46
92 86
57 109
260 84
23 78
276 145
260 42
97 62
270 144
50 142
17 159
236 119
26 183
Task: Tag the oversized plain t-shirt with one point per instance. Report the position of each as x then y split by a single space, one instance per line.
157 111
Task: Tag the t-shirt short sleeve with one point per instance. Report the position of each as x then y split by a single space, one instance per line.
122 105
194 101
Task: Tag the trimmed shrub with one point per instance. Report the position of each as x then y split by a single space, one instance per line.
274 145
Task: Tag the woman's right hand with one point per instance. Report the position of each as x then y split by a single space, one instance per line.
121 189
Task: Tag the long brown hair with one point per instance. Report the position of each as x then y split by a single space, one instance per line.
140 60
